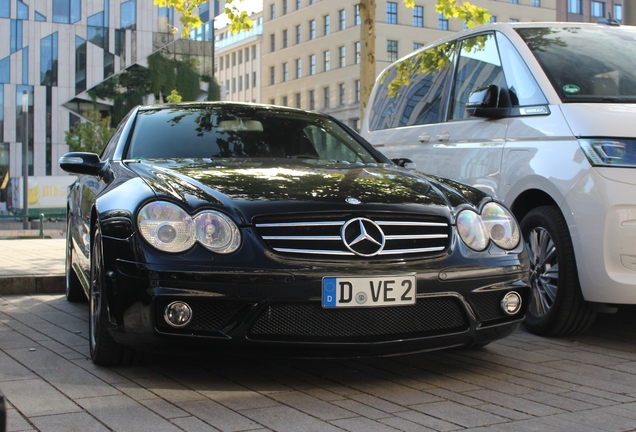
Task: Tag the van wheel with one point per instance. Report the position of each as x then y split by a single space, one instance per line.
557 307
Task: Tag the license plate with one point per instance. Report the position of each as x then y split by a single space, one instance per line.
339 292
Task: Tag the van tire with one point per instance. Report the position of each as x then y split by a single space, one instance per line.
557 306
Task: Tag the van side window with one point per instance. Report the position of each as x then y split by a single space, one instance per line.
411 91
479 65
524 90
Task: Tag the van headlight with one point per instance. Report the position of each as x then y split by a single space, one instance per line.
495 223
169 228
609 152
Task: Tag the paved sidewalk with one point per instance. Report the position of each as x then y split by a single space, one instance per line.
523 383
32 266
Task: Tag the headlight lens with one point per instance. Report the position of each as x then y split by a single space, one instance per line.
472 230
169 228
217 232
609 152
500 226
495 223
166 226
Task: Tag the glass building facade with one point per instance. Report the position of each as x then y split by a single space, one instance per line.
61 57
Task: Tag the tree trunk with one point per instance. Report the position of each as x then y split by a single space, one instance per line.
367 53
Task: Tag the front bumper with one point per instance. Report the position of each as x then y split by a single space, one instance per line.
280 312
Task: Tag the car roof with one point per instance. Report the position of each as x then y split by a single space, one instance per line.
225 104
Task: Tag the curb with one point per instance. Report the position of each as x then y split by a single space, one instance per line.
21 285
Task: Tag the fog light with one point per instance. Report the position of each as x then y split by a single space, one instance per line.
511 303
178 314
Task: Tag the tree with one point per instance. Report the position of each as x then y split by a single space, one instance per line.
91 135
468 13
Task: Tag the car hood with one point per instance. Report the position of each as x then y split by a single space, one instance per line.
600 119
254 187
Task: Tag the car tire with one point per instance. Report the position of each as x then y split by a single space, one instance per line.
74 290
104 350
557 306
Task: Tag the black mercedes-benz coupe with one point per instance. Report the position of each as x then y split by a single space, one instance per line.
256 228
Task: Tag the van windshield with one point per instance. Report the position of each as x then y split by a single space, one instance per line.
586 64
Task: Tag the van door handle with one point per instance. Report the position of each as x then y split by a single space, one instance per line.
424 138
442 137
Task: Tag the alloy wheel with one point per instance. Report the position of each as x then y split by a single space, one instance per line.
544 271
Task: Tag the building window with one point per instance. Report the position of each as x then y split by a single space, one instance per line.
418 16
341 56
272 43
284 101
240 56
513 20
327 61
285 38
618 12
253 52
298 5
165 19
391 50
536 3
16 36
326 96
575 7
299 68
493 18
514 1
341 19
5 73
356 51
5 12
23 11
272 101
391 13
442 22
417 45
312 29
246 78
233 85
297 100
284 7
312 64
272 75
299 37
80 65
272 11
356 12
357 93
48 60
128 15
233 59
327 24
38 17
68 11
341 94
285 72
240 84
597 9
253 79
312 100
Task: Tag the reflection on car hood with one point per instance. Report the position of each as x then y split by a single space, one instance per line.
251 187
594 120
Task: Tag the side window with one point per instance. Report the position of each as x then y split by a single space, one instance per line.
328 146
411 91
524 89
479 65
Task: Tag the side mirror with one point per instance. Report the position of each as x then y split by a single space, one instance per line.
82 163
405 163
485 102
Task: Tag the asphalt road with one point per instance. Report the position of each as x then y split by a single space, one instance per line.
522 383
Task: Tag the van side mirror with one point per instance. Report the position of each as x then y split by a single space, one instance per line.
405 163
485 102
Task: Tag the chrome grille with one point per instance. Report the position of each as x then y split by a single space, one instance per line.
403 234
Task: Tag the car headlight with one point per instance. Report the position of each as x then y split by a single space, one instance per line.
609 152
495 223
169 228
217 232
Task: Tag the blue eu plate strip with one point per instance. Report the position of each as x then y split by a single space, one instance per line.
329 292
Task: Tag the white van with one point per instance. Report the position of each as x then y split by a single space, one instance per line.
543 116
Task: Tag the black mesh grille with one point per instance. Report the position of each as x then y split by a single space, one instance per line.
207 315
487 305
311 322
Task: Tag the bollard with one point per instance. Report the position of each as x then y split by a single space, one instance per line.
3 414
41 225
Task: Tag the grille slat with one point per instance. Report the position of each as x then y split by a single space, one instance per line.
313 234
310 322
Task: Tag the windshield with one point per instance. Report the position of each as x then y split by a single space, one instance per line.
217 131
586 64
